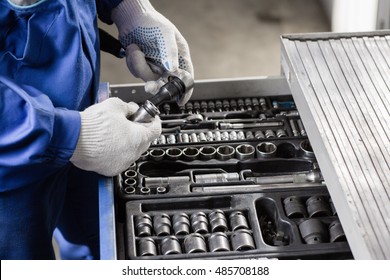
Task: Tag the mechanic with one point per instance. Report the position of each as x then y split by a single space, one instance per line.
53 141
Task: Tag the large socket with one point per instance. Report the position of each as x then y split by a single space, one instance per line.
235 226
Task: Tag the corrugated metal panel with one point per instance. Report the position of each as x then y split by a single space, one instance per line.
341 84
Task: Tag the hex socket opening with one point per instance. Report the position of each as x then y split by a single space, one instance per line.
266 150
157 154
174 153
306 149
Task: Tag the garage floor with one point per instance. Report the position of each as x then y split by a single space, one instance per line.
230 38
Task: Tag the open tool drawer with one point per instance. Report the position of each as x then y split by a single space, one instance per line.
240 182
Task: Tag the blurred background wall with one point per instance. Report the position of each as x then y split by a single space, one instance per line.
240 38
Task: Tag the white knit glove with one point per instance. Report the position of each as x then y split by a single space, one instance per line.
145 33
108 142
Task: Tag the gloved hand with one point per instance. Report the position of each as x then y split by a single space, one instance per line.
108 142
147 34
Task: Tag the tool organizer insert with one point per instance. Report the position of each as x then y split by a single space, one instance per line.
228 178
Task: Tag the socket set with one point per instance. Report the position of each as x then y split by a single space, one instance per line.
225 159
285 225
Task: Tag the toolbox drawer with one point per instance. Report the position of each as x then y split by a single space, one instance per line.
248 156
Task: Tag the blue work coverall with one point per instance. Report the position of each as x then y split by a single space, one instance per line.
49 69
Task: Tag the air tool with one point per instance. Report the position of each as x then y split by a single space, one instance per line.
176 85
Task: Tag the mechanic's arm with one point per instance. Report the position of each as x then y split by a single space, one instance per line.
148 35
37 139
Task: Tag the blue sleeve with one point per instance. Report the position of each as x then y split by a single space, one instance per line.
104 8
36 139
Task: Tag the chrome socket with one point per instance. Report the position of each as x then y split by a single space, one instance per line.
157 154
242 240
217 136
133 166
129 190
162 140
145 191
202 137
207 152
294 207
317 207
185 138
131 173
218 221
161 190
130 182
302 130
173 153
225 136
269 134
259 134
171 139
147 247
143 225
193 138
199 223
190 153
249 135
181 224
225 152
306 149
266 150
294 128
241 135
170 245
336 232
218 242
245 151
162 224
281 133
233 135
238 221
195 243
313 231
144 156
209 136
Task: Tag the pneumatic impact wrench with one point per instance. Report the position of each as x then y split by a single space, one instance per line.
176 86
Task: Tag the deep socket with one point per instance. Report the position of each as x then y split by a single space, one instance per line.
218 242
170 245
173 153
143 225
242 240
317 207
238 221
181 224
157 154
162 224
190 153
245 151
207 152
225 152
199 223
147 247
301 128
294 128
294 207
218 221
266 150
195 243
